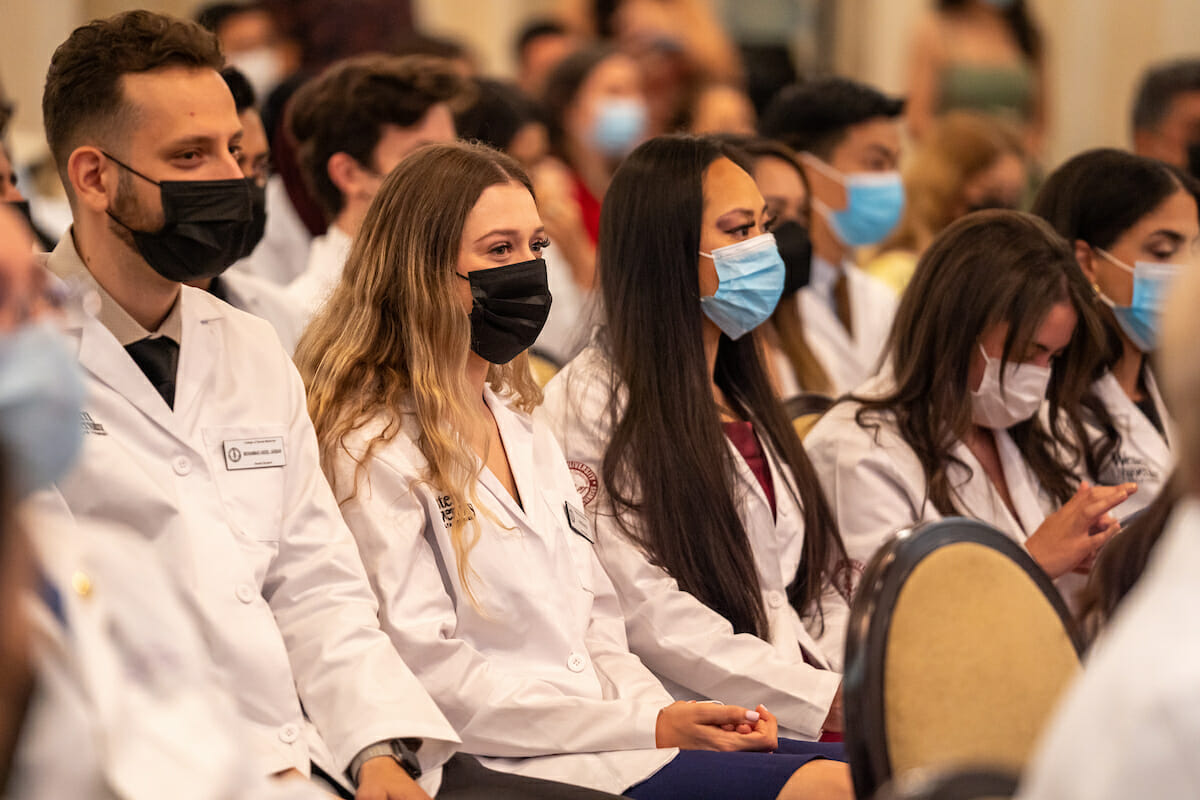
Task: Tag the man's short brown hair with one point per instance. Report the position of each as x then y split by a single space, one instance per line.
83 100
344 109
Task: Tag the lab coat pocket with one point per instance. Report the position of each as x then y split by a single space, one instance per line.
247 464
578 545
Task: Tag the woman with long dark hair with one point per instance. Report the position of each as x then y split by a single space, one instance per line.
467 518
997 322
708 515
1133 224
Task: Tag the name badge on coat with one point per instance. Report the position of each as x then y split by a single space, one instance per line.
254 453
579 522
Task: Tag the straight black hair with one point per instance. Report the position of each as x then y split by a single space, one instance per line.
668 464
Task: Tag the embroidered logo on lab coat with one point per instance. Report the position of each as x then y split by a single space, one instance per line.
585 481
91 426
447 507
1131 469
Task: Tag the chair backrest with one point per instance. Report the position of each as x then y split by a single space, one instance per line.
954 784
805 410
802 405
959 646
543 367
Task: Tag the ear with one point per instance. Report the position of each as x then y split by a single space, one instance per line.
825 186
1087 260
94 186
347 175
1146 143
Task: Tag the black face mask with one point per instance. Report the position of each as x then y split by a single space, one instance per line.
207 225
796 249
1193 160
508 309
258 224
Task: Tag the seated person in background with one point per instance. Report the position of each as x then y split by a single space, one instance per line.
120 665
719 108
540 46
501 116
964 163
1166 114
1133 223
239 288
997 321
848 138
467 516
724 555
1126 727
352 125
793 365
198 435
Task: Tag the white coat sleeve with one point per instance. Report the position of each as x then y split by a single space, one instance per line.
352 682
496 712
871 486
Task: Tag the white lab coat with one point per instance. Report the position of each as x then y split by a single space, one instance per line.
573 312
267 300
326 260
128 703
262 554
537 678
692 648
283 251
1128 726
1144 456
848 360
875 484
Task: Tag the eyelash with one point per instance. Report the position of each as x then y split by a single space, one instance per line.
504 247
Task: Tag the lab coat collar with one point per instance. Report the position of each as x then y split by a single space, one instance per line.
1140 428
516 435
103 356
977 496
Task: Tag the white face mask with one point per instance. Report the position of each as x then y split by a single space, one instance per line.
1000 406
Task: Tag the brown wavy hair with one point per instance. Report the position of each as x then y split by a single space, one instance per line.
986 269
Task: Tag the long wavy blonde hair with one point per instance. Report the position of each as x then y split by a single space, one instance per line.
393 337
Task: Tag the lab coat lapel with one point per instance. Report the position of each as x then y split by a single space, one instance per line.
103 356
976 497
1023 486
518 447
1147 436
199 352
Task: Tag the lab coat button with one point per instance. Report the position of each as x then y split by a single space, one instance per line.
182 465
289 733
245 592
576 662
775 599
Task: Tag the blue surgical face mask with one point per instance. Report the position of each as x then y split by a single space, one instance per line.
619 125
751 275
41 397
1140 320
874 203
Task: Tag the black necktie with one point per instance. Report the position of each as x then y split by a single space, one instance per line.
157 357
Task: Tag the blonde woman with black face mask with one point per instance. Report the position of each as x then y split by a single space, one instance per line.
467 517
996 323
